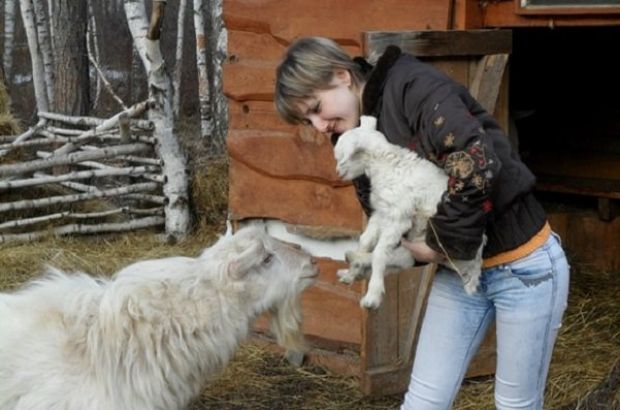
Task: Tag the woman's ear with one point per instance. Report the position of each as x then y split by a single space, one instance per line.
342 76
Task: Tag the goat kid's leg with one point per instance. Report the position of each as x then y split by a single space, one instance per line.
376 286
470 271
361 259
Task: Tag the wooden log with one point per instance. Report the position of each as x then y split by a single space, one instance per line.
111 122
485 86
29 133
65 199
50 179
73 158
158 211
440 43
85 229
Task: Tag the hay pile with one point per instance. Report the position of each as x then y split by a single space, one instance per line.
584 374
8 124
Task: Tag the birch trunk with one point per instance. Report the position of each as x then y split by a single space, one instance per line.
178 63
9 33
92 47
218 36
204 95
45 44
38 74
138 26
175 164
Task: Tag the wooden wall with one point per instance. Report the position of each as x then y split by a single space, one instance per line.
294 166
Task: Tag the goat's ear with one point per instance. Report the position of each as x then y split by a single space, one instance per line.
250 257
368 122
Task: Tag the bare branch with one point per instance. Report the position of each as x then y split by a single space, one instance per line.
85 229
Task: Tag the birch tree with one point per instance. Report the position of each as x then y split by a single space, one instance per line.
138 26
218 36
9 33
178 64
174 166
38 75
204 94
92 47
45 45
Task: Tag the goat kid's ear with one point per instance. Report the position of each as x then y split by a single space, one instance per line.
246 260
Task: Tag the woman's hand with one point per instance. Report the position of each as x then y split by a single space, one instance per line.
421 251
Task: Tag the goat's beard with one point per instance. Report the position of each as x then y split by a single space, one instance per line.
286 325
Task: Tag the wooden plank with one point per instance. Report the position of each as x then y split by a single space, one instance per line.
579 186
342 20
608 209
577 231
576 165
380 333
485 86
256 115
304 154
388 373
539 7
254 194
503 14
439 43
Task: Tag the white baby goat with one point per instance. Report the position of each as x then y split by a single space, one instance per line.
405 192
152 336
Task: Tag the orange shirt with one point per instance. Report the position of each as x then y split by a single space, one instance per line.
521 251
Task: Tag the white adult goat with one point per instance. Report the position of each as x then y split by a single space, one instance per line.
152 336
405 192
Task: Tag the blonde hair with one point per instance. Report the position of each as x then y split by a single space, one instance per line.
309 65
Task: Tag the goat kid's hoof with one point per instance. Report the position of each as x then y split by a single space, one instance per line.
371 301
295 357
358 257
345 276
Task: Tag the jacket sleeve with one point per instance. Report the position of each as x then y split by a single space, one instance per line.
455 140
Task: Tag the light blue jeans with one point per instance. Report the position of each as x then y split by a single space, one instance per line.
526 298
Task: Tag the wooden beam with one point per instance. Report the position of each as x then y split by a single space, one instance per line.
487 82
439 43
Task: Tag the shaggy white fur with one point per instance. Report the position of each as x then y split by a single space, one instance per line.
405 192
152 336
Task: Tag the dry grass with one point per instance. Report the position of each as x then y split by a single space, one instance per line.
584 373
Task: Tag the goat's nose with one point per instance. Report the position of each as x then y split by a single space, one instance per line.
314 260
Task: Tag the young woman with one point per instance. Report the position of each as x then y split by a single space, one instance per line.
524 285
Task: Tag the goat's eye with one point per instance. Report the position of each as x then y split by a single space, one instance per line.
305 122
267 260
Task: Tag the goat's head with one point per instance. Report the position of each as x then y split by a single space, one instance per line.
268 269
271 274
353 148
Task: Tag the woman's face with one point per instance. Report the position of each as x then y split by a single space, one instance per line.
334 110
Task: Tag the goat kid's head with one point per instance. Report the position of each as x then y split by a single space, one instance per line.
267 269
354 147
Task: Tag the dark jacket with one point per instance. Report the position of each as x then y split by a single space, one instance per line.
489 188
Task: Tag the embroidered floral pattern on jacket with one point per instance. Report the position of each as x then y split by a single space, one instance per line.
448 140
459 164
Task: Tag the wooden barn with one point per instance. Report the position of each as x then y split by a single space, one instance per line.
546 68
